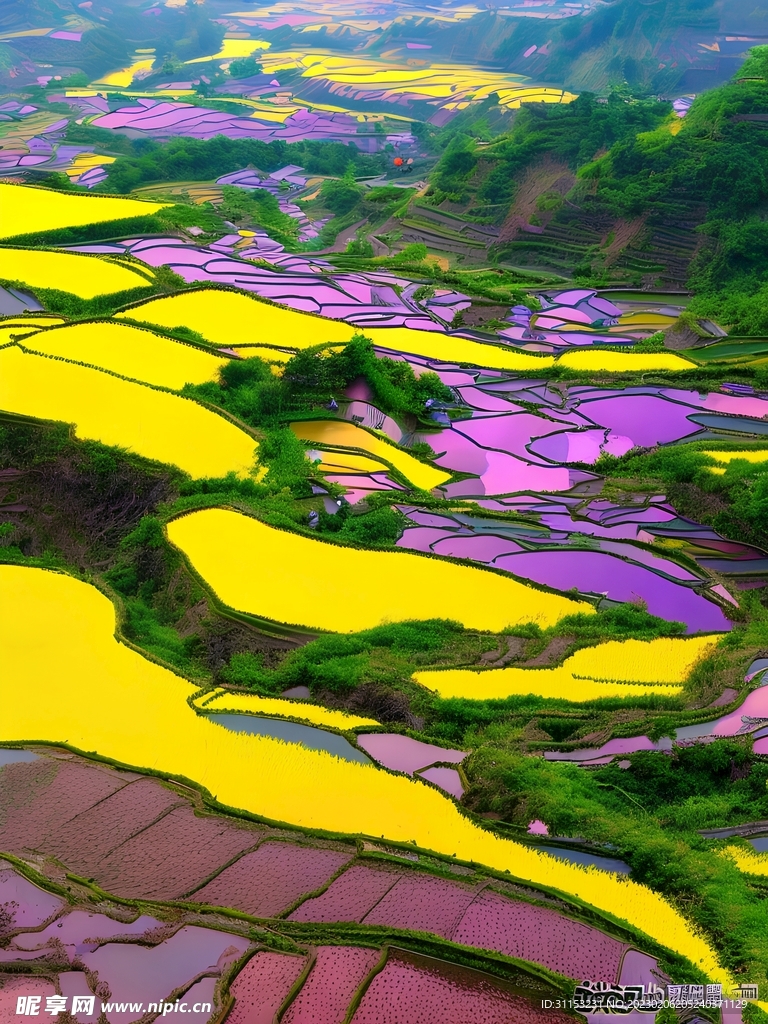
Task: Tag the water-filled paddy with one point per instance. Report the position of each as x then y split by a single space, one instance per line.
292 732
611 864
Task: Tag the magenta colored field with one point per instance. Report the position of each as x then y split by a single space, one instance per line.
266 882
349 897
15 987
171 858
541 935
262 986
447 779
37 798
403 754
423 903
336 975
755 706
85 840
416 990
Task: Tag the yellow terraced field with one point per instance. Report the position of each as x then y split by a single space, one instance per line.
628 668
339 433
155 424
25 209
274 707
84 276
232 319
129 351
748 456
306 582
749 861
23 327
551 683
235 318
64 678
342 462
666 660
623 362
456 82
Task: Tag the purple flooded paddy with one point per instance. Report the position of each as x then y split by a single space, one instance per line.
646 420
755 706
403 754
597 573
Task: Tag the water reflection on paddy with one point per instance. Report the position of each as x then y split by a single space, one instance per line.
611 864
292 732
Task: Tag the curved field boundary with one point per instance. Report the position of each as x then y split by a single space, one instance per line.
152 423
58 642
25 209
135 353
232 318
344 435
80 274
227 701
285 576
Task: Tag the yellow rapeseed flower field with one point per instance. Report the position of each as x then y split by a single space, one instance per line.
269 355
275 707
749 861
749 456
65 679
13 328
84 276
302 581
25 209
620 668
232 319
664 660
593 360
551 683
130 352
343 462
340 433
237 318
155 424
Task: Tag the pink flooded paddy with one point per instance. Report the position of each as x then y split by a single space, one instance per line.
423 904
418 990
27 906
349 897
403 754
269 880
261 987
448 779
337 973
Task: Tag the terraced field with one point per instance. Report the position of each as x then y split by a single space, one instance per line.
383 555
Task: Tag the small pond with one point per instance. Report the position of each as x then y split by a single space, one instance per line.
612 864
292 732
14 756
